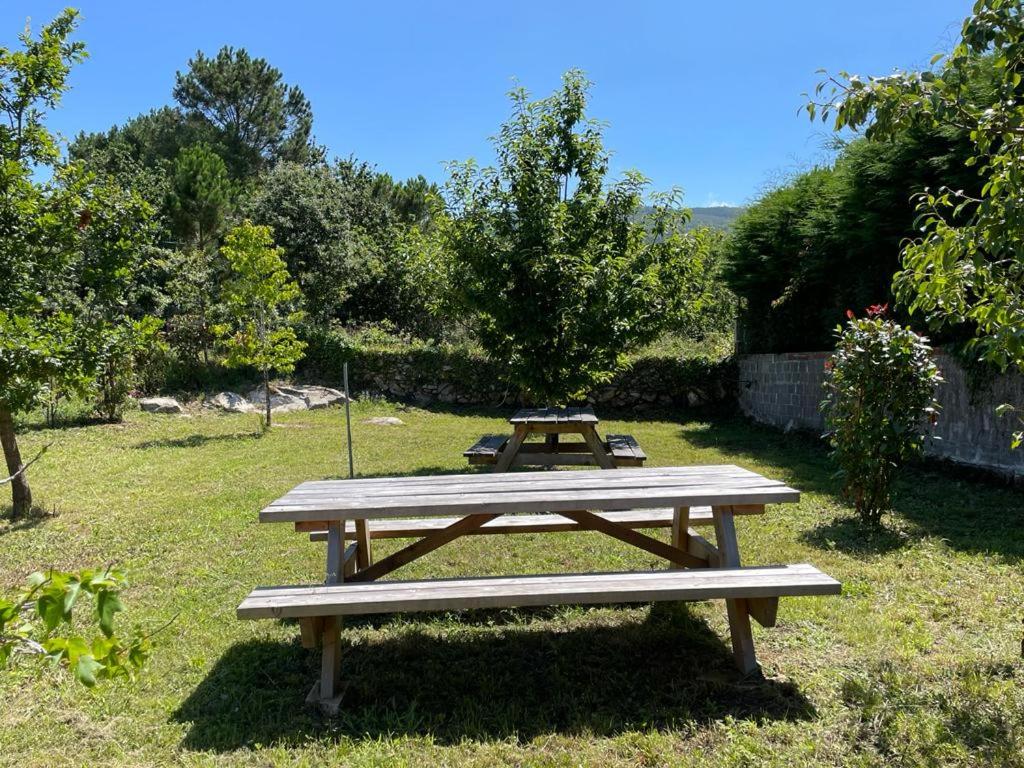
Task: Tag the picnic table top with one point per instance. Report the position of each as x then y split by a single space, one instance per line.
548 491
581 415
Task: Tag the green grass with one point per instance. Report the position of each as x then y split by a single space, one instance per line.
917 663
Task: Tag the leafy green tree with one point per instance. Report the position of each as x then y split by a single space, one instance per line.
68 246
36 622
967 264
199 200
559 276
879 393
260 297
262 120
830 238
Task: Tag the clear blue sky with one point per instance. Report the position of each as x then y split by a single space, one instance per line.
703 95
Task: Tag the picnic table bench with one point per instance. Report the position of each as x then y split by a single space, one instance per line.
441 508
506 451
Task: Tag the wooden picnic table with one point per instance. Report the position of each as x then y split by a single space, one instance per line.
617 504
504 451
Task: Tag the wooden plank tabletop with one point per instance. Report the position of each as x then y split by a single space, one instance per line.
582 415
550 491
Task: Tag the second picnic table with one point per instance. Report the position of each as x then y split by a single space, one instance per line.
504 451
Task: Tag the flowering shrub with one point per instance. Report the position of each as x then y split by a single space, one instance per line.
879 399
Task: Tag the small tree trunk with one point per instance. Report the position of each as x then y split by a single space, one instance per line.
266 391
21 494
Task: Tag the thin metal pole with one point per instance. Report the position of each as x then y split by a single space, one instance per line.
348 422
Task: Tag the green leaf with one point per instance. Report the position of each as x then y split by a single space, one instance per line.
107 604
86 670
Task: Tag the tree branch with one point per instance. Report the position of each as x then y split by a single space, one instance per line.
25 466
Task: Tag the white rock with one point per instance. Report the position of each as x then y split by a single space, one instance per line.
160 405
279 402
384 421
314 396
231 402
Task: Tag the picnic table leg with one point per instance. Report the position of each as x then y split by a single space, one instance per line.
736 608
508 453
603 458
364 555
680 529
326 692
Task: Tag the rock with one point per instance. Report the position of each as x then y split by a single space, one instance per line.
231 402
384 421
279 402
160 405
314 397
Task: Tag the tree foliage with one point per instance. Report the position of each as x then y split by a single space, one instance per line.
830 238
967 265
69 245
37 621
262 120
559 278
260 297
879 394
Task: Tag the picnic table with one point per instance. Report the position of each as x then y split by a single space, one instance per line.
504 451
438 509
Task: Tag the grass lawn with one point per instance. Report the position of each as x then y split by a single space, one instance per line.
917 663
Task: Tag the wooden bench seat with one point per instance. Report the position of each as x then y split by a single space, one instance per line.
486 449
403 528
624 449
522 591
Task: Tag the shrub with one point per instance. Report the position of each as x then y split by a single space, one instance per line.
879 394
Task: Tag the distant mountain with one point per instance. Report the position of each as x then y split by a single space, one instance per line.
718 217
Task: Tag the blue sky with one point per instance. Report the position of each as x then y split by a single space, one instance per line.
700 95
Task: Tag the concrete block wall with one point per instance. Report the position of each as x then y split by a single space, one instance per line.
785 391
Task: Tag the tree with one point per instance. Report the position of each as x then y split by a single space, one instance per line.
559 276
68 246
967 265
262 120
260 296
199 200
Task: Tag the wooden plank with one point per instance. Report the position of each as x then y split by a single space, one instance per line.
736 608
604 459
764 610
420 548
353 506
348 565
680 528
423 526
335 551
702 548
512 591
364 555
511 449
708 470
488 445
630 536
310 629
625 445
512 483
330 662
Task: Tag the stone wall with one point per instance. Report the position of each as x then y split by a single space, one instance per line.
785 391
432 374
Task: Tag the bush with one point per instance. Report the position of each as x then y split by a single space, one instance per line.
879 393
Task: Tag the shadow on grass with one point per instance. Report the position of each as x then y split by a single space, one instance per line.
37 516
970 514
487 684
194 441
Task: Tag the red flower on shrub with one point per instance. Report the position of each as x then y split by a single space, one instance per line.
849 314
829 364
877 310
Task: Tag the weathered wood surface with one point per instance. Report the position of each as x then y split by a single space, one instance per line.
526 492
625 447
582 415
412 527
512 591
486 446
